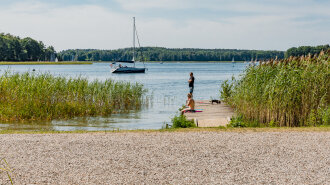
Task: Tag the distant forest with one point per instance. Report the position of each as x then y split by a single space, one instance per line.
13 48
166 54
305 50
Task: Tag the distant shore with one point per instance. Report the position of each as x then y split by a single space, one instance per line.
46 63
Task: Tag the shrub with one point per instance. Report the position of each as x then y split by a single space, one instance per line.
226 90
182 122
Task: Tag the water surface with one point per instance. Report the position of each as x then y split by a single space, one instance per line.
167 84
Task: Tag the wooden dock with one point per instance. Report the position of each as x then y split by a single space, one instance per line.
212 115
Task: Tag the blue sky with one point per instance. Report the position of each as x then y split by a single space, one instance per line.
106 24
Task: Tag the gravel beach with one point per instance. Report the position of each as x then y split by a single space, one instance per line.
168 158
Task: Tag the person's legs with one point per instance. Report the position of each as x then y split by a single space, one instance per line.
191 89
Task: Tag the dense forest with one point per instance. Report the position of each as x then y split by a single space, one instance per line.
13 48
166 54
305 50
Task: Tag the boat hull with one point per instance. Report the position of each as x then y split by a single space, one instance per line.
129 70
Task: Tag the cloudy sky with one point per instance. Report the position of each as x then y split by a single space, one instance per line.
107 24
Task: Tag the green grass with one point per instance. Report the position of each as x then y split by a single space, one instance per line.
42 96
193 61
292 92
182 122
45 63
192 129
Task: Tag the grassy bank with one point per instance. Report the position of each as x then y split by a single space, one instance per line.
290 92
28 96
194 129
194 61
45 63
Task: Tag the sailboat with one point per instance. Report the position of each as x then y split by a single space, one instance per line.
126 69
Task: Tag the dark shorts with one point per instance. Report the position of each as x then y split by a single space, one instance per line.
191 89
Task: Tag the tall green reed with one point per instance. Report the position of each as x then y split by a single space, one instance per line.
290 92
29 96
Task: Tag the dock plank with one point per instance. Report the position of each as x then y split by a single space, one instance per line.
212 115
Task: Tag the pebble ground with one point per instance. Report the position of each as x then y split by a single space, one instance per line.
168 158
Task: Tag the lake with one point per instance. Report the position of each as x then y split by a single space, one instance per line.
167 90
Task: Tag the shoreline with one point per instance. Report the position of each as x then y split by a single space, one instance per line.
199 129
45 63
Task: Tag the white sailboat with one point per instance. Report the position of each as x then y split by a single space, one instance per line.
126 69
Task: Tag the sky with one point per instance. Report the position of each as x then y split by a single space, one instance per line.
228 24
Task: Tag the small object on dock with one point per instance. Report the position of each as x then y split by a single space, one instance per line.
215 101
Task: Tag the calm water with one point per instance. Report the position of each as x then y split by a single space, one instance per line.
166 83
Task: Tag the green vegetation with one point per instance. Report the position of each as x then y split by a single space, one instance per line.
290 92
167 54
191 129
44 63
182 122
13 48
4 168
30 96
306 50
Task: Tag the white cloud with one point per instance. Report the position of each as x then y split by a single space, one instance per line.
94 26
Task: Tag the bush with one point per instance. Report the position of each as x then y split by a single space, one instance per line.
226 90
182 122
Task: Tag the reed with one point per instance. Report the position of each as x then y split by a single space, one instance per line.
289 92
4 168
42 96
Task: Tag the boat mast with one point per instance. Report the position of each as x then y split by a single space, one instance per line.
134 40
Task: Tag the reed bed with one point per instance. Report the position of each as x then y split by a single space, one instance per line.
289 92
42 96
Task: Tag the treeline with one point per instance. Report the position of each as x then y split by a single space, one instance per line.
13 48
305 50
166 54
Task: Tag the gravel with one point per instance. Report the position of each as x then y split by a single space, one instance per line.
168 158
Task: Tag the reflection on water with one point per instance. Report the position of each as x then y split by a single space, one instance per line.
167 89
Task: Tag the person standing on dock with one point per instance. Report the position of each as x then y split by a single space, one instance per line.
191 82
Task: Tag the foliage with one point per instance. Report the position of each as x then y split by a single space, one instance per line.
237 122
182 122
290 92
167 54
33 96
306 50
226 90
13 48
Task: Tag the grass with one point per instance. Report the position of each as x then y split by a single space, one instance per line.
292 92
42 96
194 61
182 122
45 63
192 129
4 167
